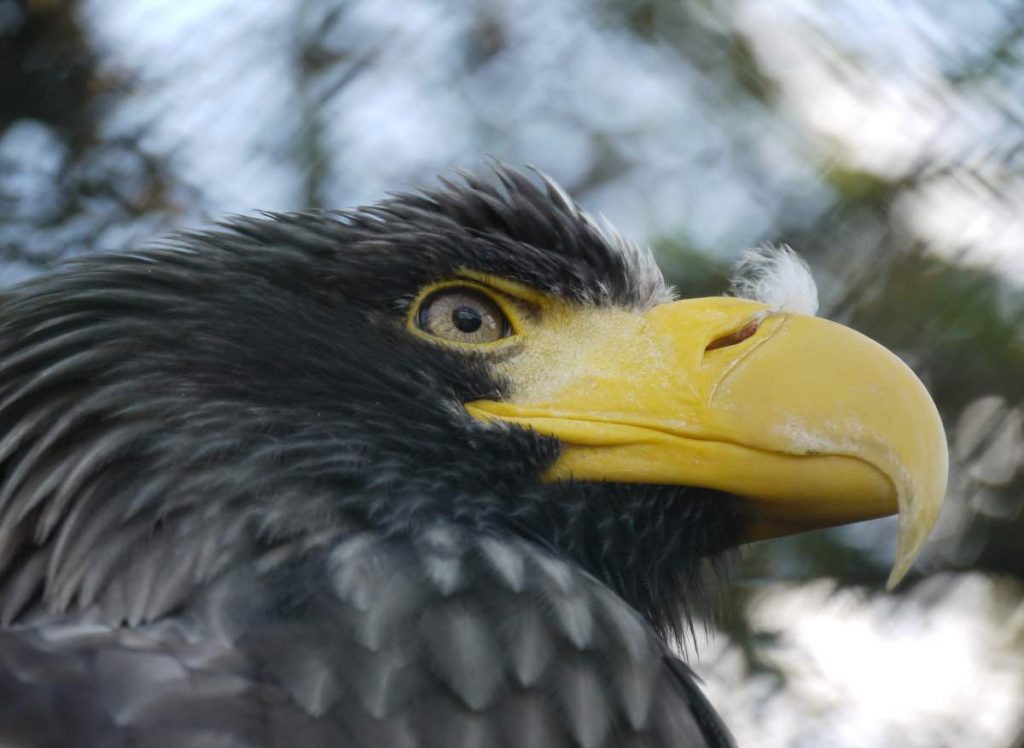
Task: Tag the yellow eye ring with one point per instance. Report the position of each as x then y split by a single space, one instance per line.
463 314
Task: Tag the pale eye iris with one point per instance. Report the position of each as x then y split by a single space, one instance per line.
462 315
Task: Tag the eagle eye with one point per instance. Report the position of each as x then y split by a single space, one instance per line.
462 315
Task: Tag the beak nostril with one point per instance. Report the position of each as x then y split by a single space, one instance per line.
738 336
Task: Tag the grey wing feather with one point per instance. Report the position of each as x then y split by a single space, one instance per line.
444 641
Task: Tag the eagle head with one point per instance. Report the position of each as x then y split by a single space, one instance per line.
483 355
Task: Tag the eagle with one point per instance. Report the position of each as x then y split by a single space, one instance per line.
443 471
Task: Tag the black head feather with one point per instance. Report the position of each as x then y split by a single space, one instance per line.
194 406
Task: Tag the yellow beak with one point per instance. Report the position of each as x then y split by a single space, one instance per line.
812 423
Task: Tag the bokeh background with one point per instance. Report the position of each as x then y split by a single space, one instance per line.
884 140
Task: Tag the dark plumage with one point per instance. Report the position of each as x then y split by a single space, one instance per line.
242 505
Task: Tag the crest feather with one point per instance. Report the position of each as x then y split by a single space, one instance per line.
778 277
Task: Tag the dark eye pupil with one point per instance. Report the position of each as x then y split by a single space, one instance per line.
467 319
